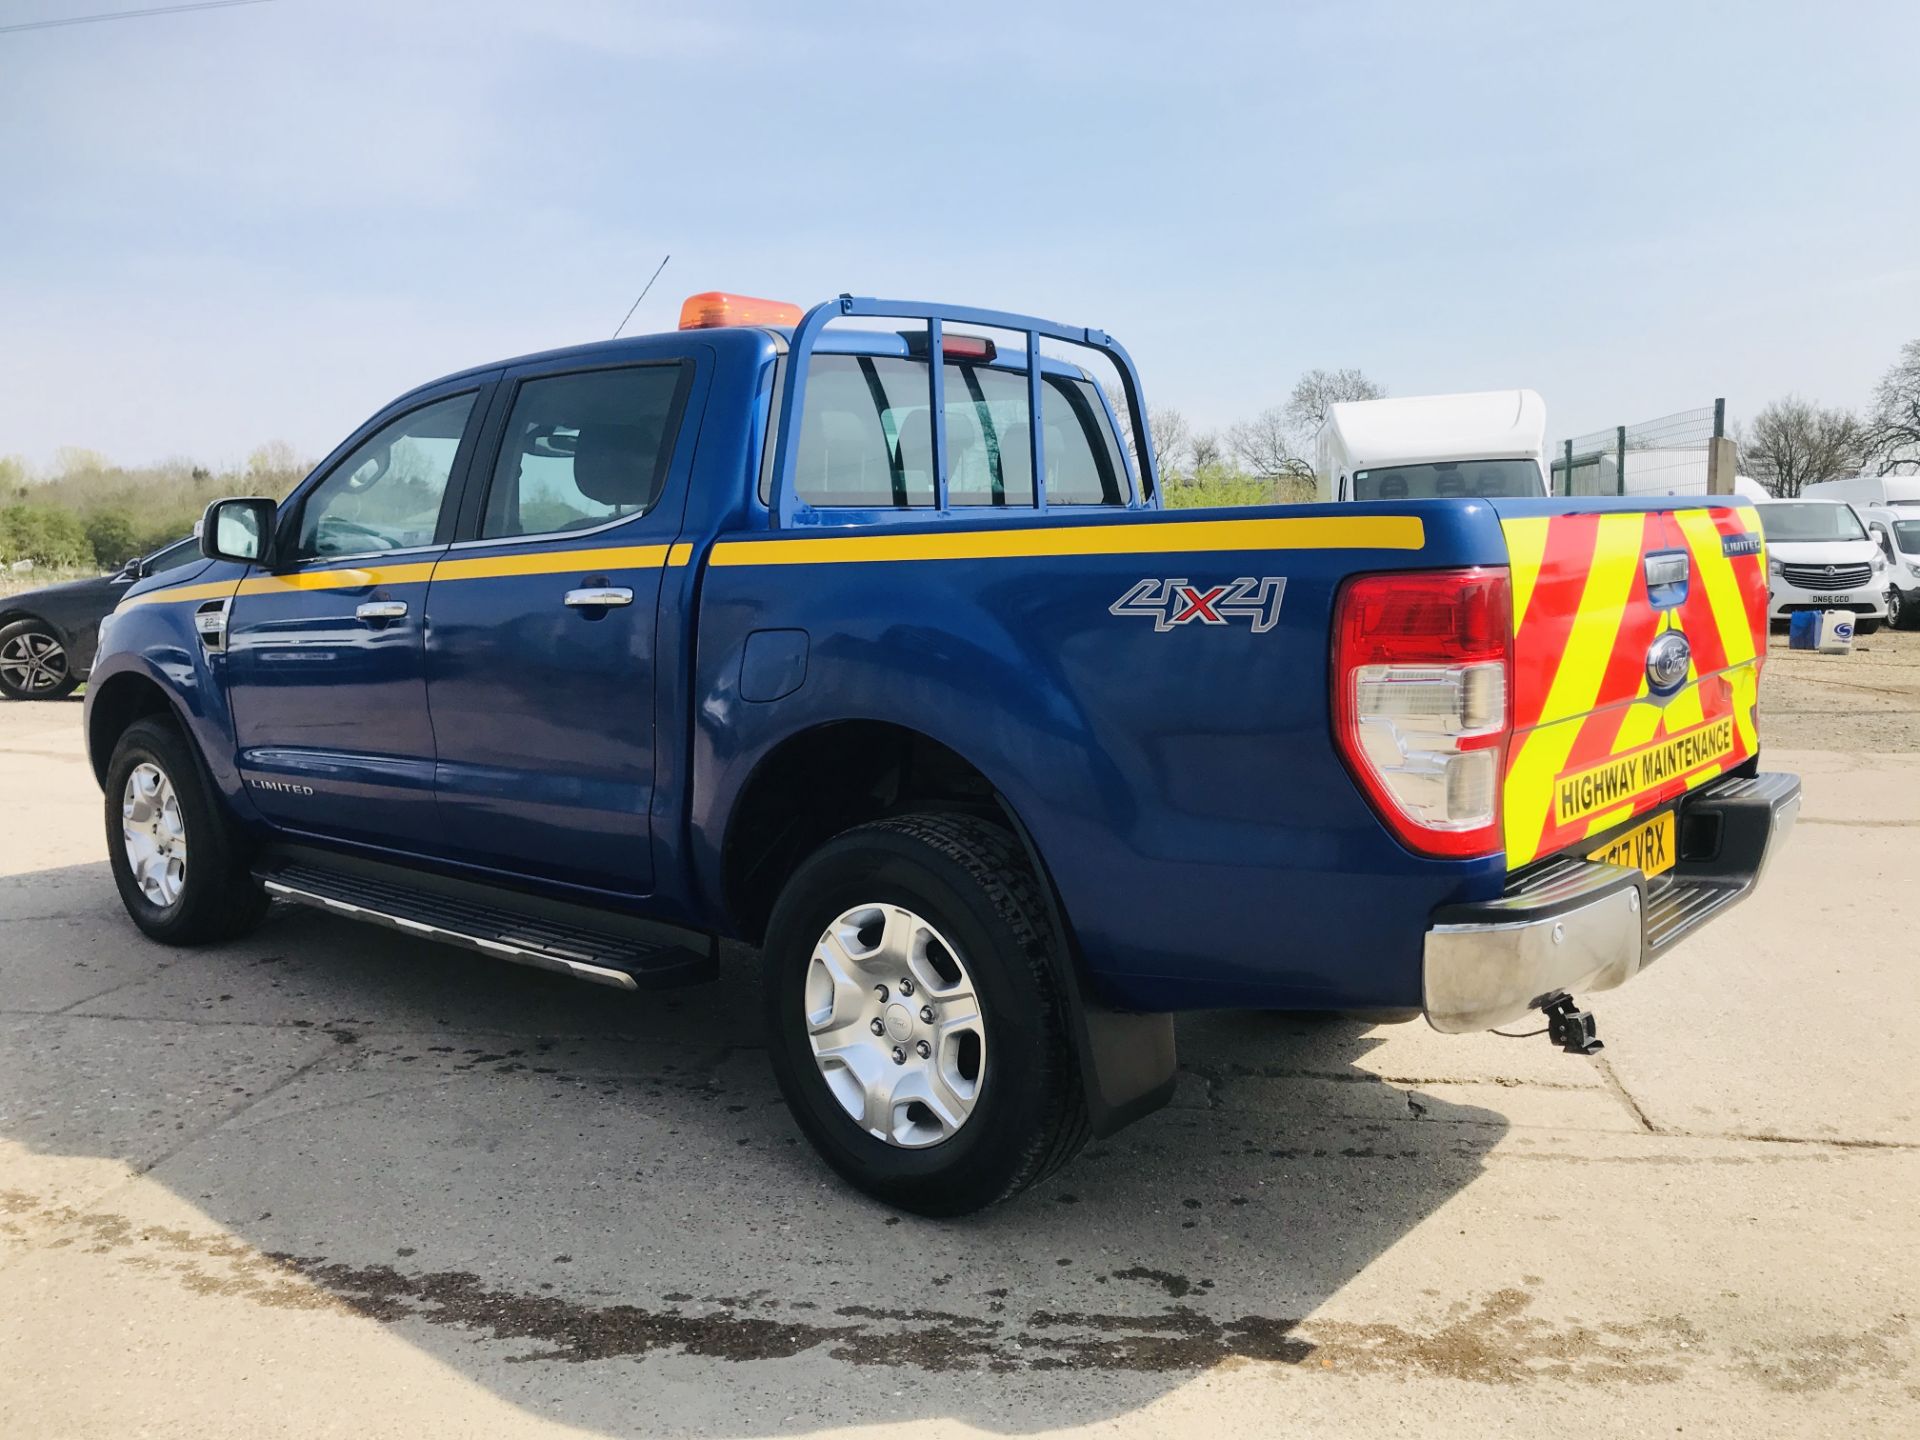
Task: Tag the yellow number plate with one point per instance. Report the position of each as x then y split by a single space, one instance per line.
1649 848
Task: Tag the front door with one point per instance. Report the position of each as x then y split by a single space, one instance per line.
540 645
325 661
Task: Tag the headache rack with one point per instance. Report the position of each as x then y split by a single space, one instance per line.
789 510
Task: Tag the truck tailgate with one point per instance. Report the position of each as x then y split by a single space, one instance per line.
1598 736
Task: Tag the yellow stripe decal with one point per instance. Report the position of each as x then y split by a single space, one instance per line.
485 567
1526 552
1365 532
356 578
217 590
1715 569
552 562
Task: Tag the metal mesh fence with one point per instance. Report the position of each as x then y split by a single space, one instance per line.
1667 456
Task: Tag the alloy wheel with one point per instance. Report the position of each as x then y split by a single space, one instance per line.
33 662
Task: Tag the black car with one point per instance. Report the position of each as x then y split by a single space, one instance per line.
47 636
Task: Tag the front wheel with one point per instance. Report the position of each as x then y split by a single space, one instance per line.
179 860
1902 613
915 1014
34 663
1866 627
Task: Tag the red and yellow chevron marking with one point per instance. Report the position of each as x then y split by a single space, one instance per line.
1592 746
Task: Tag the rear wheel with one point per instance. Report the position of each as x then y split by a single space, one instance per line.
915 1017
34 663
179 861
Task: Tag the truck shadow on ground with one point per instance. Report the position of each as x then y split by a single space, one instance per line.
571 1195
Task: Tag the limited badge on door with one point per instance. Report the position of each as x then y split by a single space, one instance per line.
1647 848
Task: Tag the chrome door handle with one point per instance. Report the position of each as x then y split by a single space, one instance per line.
382 610
599 595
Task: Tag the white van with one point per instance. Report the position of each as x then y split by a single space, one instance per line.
1896 531
1491 442
1892 490
1819 558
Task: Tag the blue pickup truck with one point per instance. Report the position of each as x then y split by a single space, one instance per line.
861 636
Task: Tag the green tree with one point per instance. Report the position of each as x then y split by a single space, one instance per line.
114 538
44 535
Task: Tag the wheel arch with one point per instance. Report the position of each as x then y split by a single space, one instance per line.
829 777
784 810
118 702
9 615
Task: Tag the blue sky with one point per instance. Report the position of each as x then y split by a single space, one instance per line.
239 225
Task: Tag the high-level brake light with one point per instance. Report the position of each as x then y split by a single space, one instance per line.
954 347
714 308
1422 688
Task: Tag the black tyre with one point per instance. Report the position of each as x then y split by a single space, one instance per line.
1902 613
957 1088
1864 626
33 662
179 860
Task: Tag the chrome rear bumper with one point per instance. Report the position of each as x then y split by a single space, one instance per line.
1573 925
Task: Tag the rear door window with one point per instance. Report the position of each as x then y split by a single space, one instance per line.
583 450
866 437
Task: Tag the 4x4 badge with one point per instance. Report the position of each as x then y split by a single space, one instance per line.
1178 602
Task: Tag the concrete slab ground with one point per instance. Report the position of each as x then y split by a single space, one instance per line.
330 1181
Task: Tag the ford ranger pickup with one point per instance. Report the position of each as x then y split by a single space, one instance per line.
862 637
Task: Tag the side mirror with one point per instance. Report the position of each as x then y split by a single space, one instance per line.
238 530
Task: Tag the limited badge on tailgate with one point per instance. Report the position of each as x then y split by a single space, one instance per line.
1647 848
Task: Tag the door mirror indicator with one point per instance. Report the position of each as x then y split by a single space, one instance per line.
239 530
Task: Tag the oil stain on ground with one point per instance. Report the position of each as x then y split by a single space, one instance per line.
1494 1340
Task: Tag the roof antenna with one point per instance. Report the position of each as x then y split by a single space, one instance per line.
642 295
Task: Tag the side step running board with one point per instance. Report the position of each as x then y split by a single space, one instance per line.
606 949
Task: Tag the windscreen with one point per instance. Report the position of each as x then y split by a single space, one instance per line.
1441 478
1813 520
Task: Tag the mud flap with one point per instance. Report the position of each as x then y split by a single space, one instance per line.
1128 1064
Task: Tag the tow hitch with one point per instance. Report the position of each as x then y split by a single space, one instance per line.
1572 1028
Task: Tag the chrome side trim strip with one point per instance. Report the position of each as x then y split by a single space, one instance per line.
580 969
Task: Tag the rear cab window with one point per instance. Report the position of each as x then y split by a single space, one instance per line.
866 437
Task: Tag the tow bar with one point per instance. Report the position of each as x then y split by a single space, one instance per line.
1572 1028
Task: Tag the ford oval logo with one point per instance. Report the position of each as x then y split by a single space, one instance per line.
1667 661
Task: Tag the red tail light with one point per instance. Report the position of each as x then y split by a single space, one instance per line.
1422 702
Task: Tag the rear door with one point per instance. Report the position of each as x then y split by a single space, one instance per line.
324 651
1638 642
541 619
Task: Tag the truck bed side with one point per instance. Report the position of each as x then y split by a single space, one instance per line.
1157 761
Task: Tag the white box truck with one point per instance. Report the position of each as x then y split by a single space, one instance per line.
1490 442
1899 491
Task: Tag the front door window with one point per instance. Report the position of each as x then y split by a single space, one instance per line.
387 494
